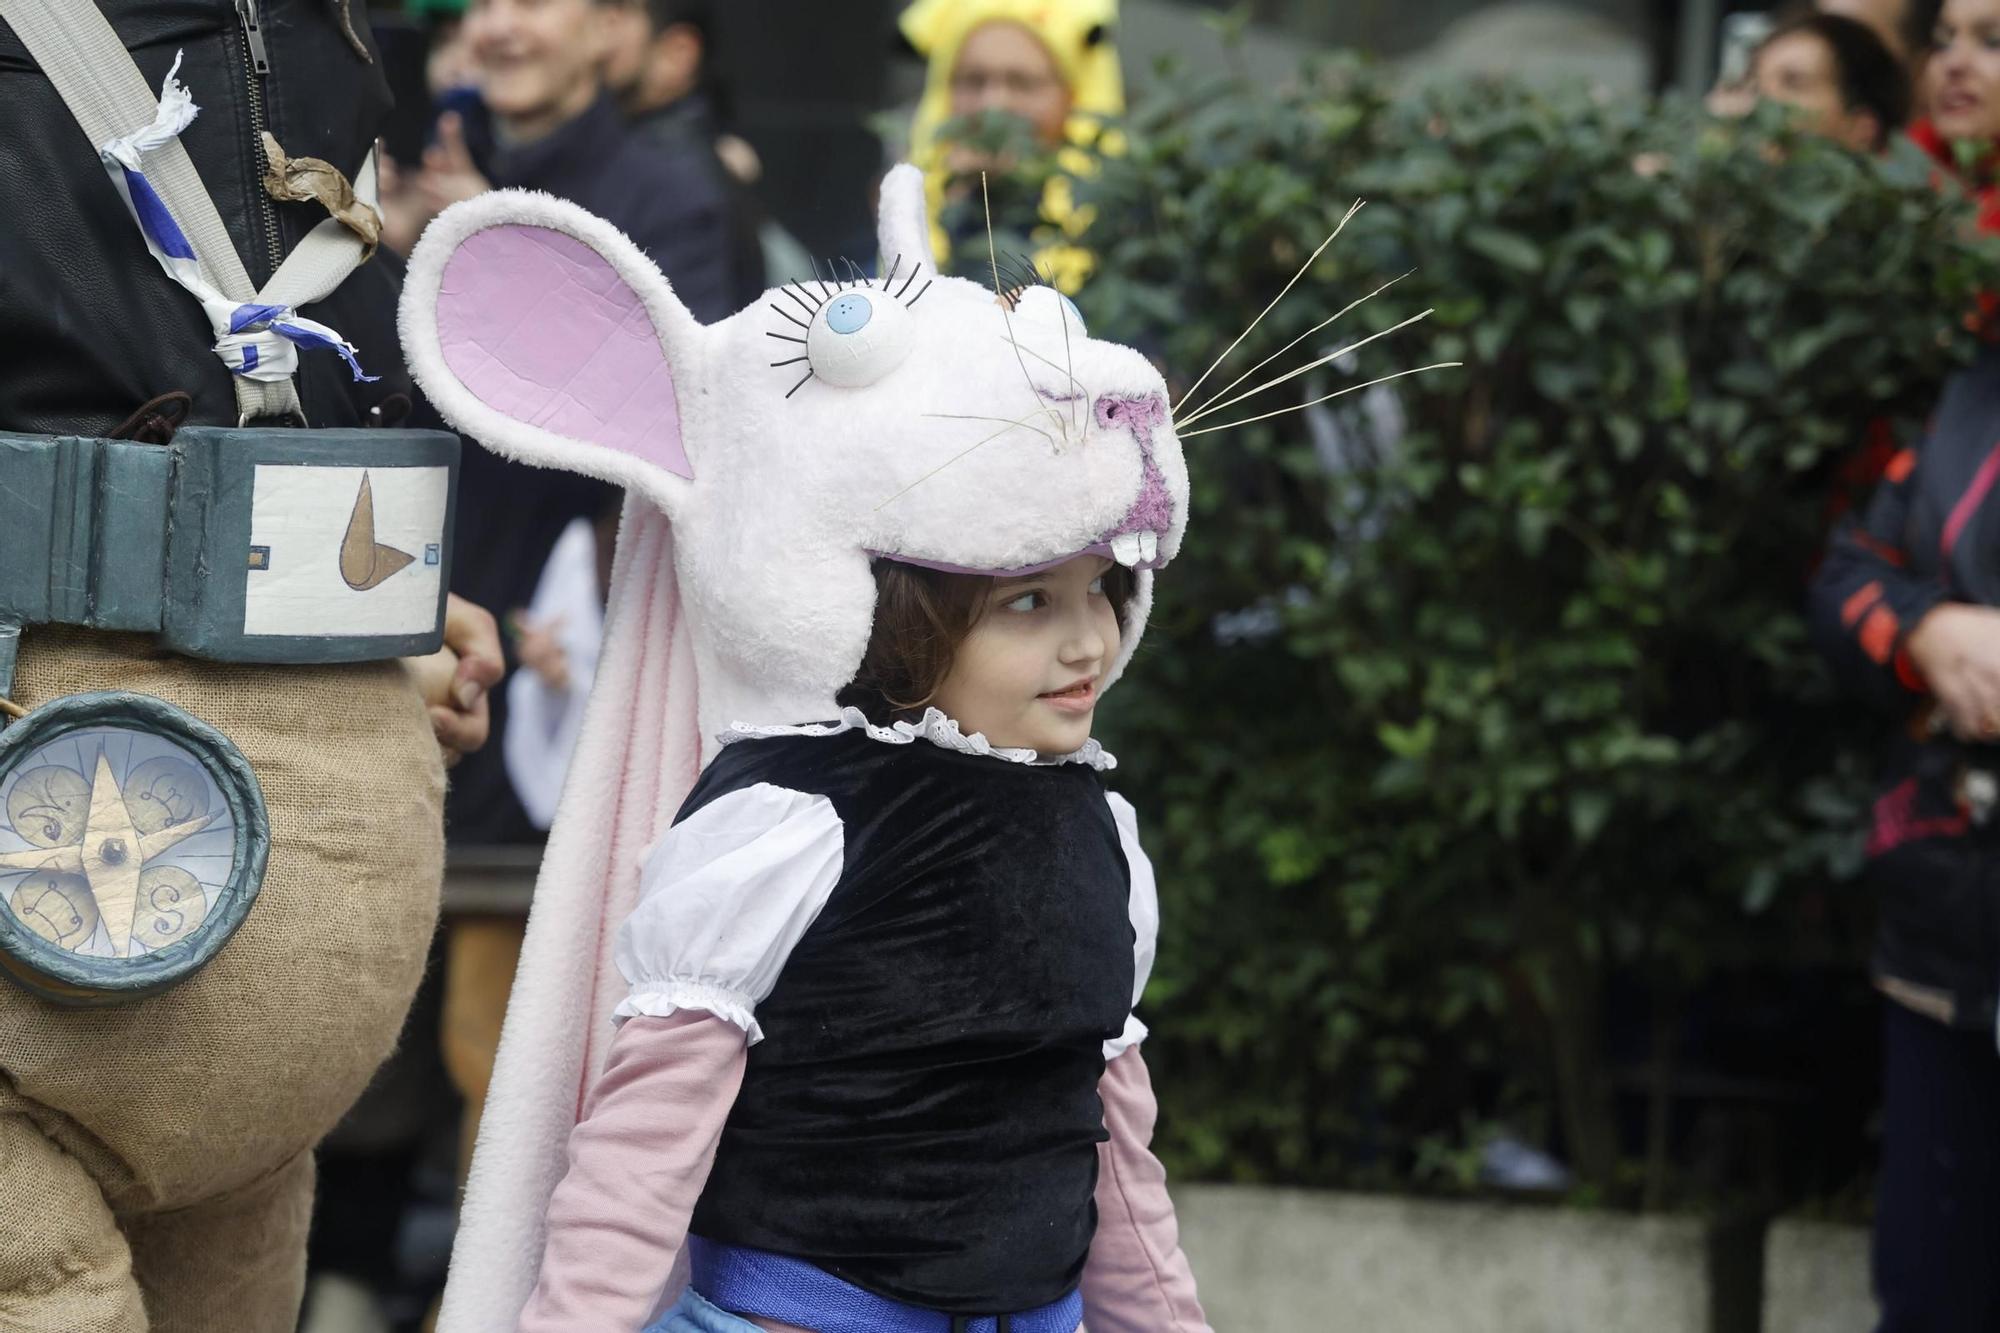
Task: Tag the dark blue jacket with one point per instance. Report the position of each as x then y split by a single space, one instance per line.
1931 533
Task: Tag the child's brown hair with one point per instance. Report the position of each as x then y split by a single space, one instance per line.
921 618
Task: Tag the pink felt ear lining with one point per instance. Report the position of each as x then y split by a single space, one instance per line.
540 327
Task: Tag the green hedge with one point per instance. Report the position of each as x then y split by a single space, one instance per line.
1441 723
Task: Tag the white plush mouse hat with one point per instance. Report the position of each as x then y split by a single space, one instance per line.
769 459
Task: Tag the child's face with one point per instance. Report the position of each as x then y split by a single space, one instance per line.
1027 675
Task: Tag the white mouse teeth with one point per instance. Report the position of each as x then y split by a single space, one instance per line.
1149 546
1129 548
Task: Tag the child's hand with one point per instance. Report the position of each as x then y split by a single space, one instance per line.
453 681
540 650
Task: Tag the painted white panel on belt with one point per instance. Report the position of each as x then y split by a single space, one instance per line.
345 550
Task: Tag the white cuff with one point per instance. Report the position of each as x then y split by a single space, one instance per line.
659 999
1134 1033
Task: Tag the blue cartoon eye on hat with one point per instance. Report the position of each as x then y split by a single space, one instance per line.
849 313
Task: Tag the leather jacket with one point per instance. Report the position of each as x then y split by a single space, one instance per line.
90 327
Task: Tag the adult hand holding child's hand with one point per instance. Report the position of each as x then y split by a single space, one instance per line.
454 680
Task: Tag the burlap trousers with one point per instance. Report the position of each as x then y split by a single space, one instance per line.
155 1157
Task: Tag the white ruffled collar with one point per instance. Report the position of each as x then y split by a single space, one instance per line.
934 727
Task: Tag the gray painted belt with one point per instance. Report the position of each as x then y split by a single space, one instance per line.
115 535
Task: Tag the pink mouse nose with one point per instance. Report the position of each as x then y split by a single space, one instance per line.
1137 412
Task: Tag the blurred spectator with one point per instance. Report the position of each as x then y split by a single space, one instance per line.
1050 63
659 65
450 87
1902 26
1962 93
554 127
1834 71
557 638
451 65
1905 608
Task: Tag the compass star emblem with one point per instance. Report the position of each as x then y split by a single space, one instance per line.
112 855
133 838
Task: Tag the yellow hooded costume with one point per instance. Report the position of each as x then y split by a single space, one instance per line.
1077 34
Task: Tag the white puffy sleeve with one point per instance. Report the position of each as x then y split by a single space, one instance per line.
724 897
1144 910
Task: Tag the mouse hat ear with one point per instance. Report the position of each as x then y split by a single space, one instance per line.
546 335
903 228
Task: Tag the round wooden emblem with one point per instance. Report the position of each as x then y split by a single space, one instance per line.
132 843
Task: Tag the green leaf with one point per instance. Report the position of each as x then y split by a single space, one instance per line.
1411 742
1506 248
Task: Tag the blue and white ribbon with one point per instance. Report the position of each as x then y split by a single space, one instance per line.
255 340
262 342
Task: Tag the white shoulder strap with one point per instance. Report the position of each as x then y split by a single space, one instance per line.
136 137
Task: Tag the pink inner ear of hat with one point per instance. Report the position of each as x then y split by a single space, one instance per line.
541 328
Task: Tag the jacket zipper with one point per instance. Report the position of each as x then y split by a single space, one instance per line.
256 66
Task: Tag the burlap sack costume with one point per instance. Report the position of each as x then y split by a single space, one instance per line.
155 1157
155 1167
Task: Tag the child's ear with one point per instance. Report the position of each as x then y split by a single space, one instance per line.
903 228
543 333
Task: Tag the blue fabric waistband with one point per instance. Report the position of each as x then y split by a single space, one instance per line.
792 1291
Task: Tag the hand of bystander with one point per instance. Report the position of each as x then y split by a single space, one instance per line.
1957 648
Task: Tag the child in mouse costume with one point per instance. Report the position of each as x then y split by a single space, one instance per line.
872 976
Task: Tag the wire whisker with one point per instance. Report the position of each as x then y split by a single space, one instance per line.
942 466
1074 382
1346 309
912 302
1337 393
1310 260
967 416
891 277
801 384
1069 363
784 336
1006 311
793 362
915 269
789 315
1294 374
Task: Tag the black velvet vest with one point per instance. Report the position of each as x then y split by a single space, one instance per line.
921 1118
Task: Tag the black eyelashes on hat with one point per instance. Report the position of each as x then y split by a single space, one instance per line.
1015 274
826 292
808 298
